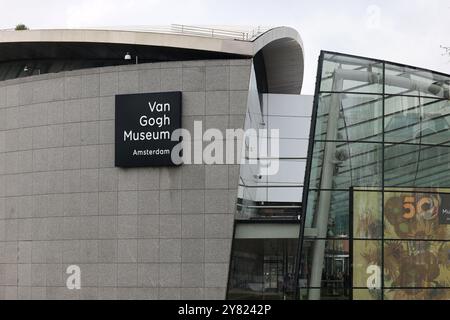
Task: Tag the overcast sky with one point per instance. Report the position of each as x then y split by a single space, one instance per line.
405 31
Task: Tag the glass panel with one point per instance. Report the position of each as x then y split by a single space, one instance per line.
413 81
262 269
420 264
290 127
336 212
270 203
412 104
291 172
249 175
316 164
417 215
293 148
417 120
367 262
367 213
266 196
288 105
344 73
359 117
338 220
352 164
335 281
284 194
416 165
417 294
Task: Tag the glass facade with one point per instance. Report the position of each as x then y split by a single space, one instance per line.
263 269
263 196
265 244
377 196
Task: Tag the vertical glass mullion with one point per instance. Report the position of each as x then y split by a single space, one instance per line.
351 244
382 183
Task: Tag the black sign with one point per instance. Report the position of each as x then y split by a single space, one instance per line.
144 127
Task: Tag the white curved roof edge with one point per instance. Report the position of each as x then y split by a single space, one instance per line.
274 34
246 33
282 47
154 38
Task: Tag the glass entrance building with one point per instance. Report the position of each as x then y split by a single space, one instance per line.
377 198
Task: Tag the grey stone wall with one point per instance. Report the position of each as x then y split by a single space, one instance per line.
148 233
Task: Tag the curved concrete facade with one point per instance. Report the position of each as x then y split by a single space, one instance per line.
283 53
149 233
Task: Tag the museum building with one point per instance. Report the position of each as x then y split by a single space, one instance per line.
358 208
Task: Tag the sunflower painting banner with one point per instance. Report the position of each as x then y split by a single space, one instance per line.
401 244
416 214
